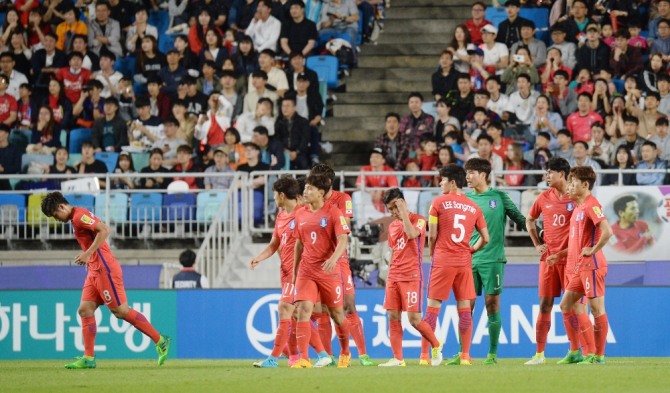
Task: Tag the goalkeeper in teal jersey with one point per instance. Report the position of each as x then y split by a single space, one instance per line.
488 264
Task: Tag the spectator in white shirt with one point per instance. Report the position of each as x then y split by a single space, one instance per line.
16 78
264 29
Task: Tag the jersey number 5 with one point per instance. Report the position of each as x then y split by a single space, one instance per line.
461 229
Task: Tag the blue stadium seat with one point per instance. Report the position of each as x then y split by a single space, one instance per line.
110 159
140 160
179 207
359 37
160 19
539 16
20 139
77 137
26 159
12 208
323 91
515 196
208 204
430 108
125 65
118 208
74 159
145 206
165 42
86 201
326 68
495 15
619 84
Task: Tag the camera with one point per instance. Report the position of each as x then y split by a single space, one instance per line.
519 58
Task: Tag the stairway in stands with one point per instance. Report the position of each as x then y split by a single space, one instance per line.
407 53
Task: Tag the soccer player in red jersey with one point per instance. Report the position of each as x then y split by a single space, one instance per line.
342 201
452 219
556 208
589 233
632 235
321 234
104 280
406 238
286 190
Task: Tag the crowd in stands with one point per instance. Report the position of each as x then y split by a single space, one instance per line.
197 85
596 92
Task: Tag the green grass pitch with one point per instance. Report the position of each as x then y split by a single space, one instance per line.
646 375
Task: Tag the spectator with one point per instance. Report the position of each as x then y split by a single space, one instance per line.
90 105
514 161
213 50
146 128
542 141
70 26
444 79
536 48
615 123
210 128
185 165
485 152
338 17
208 83
43 71
263 116
188 278
461 101
159 101
108 76
647 117
11 25
568 49
8 104
73 77
172 74
477 22
257 183
564 141
458 48
392 143
169 143
482 97
187 59
600 148
458 147
140 29
413 181
580 157
309 102
10 158
220 166
197 102
271 150
478 72
124 165
579 123
497 101
635 40
417 122
37 28
246 58
259 79
103 31
293 132
496 54
594 54
45 137
446 155
622 159
110 132
648 79
600 103
663 12
198 31
554 64
21 52
264 28
578 20
16 78
377 164
298 34
155 166
662 139
228 81
630 138
500 143
522 102
563 98
56 100
90 60
186 123
544 120
234 148
60 166
521 63
297 61
625 60
122 11
276 78
443 118
650 160
476 127
149 61
510 27
89 164
26 108
428 158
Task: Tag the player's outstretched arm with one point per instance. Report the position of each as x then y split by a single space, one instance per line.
271 248
101 233
342 243
297 257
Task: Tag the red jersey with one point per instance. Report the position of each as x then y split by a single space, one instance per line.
457 217
379 180
584 232
7 106
318 232
407 254
284 228
580 126
102 260
557 211
633 239
341 201
73 83
501 149
476 30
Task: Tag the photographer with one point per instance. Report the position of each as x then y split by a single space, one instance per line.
521 63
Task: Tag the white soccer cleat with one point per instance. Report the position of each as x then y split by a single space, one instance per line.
538 358
393 363
436 355
323 362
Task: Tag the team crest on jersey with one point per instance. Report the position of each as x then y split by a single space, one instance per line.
291 225
323 222
570 206
493 203
87 220
598 212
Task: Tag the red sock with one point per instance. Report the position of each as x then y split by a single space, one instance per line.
326 332
600 332
586 337
431 318
343 331
140 322
302 332
89 329
357 334
292 342
281 337
465 330
542 330
427 333
572 329
315 340
395 329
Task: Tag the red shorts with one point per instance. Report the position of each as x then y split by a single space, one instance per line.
287 292
105 288
347 281
590 283
403 296
330 291
551 280
444 279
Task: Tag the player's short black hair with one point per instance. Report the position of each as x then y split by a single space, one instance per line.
320 181
187 258
454 172
478 165
51 202
584 174
620 204
288 186
392 194
558 164
323 169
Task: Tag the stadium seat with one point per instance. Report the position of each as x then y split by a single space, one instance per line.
430 108
145 206
179 207
619 84
495 15
20 139
326 68
86 201
323 91
34 214
539 16
109 158
359 37
63 138
125 65
515 196
287 160
77 137
425 199
165 42
208 204
26 159
74 159
160 19
12 208
140 160
118 208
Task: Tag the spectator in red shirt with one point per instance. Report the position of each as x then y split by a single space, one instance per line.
8 105
475 24
500 143
579 123
74 77
377 164
185 164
